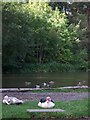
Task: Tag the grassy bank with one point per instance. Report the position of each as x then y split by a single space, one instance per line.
42 90
46 67
73 109
62 90
52 67
50 90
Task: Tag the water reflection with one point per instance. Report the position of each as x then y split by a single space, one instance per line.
43 79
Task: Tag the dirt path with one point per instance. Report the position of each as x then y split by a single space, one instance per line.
56 96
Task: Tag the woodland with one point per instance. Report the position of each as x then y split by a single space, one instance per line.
45 37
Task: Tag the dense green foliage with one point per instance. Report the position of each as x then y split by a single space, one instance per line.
73 109
39 39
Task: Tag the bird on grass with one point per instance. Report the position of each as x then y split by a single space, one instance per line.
11 100
46 103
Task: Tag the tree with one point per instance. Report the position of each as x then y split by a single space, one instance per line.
34 33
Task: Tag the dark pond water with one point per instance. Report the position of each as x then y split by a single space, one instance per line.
32 79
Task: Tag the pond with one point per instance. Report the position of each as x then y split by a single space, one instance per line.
32 79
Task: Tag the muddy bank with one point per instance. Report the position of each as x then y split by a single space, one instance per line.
56 96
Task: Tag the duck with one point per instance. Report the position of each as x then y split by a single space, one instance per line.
11 100
44 84
37 86
27 83
79 84
46 102
51 83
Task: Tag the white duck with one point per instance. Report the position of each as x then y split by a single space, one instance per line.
46 103
11 100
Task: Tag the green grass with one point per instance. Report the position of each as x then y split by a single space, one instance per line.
73 109
62 90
